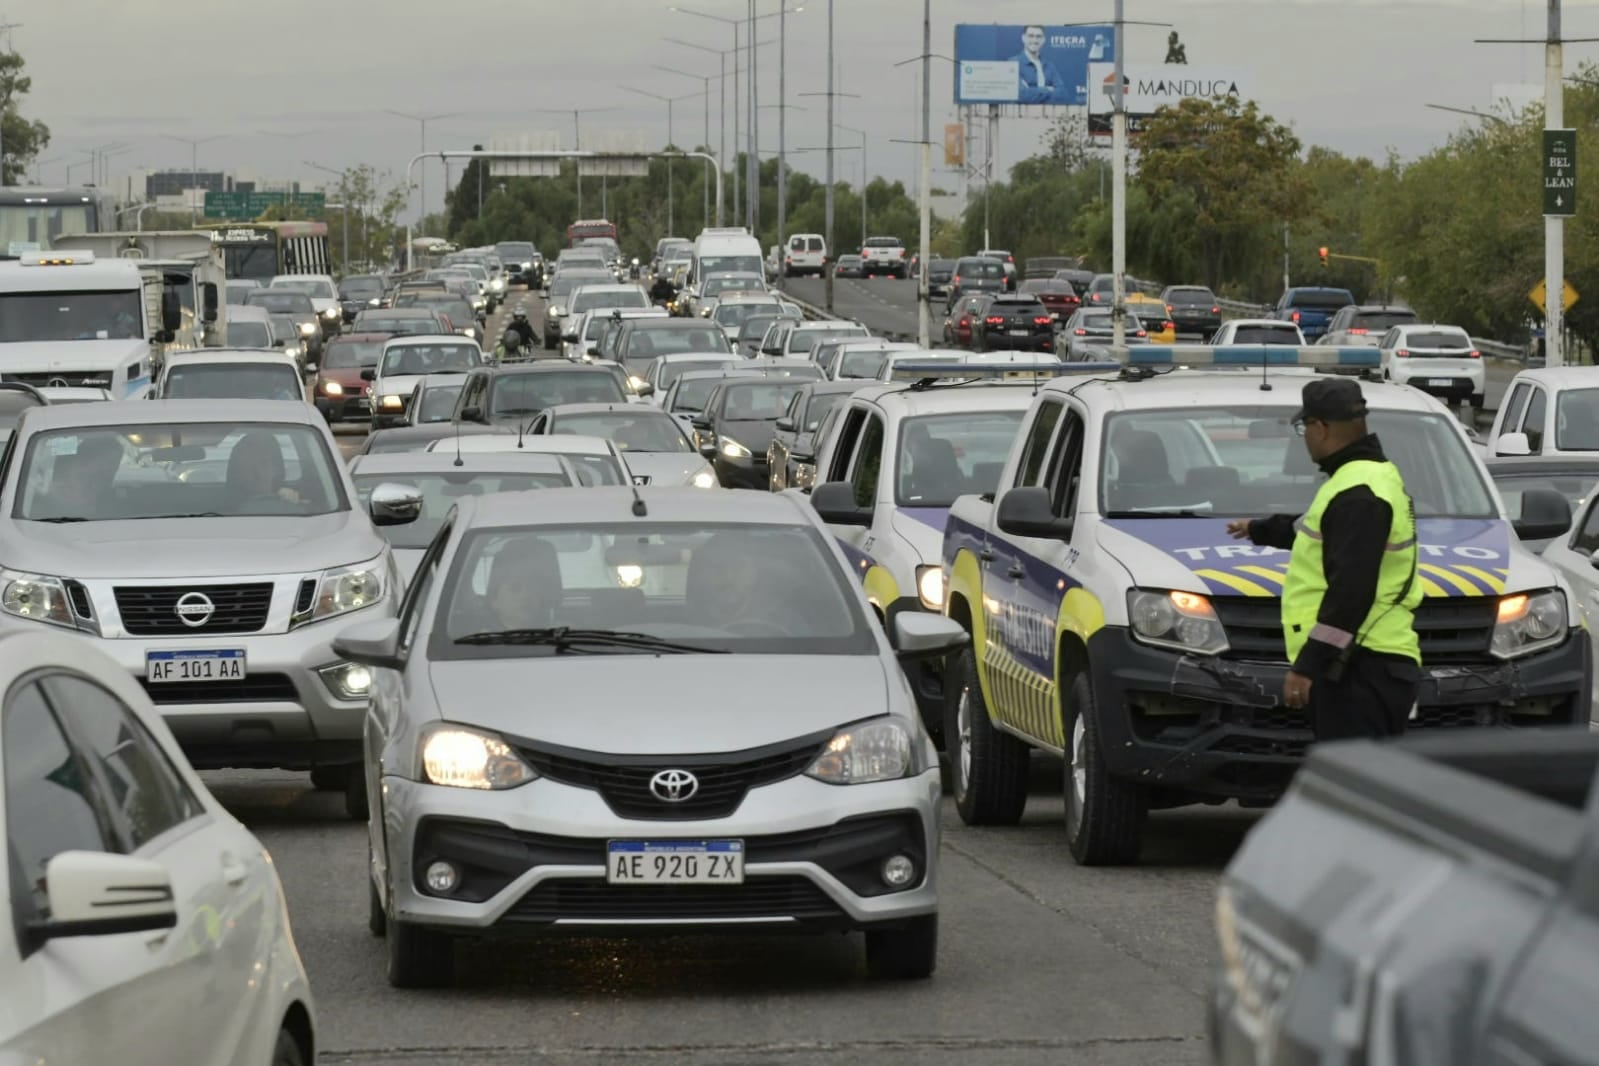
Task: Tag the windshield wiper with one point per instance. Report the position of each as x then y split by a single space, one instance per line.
190 514
1161 513
63 518
517 411
565 638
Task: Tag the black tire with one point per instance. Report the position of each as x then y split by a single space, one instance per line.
329 778
988 769
1105 825
907 954
377 922
356 807
1478 402
419 958
287 1052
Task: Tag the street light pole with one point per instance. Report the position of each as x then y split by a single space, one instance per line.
721 122
752 160
1118 188
865 177
924 318
782 127
423 120
344 205
194 144
706 94
671 145
827 211
1554 226
577 114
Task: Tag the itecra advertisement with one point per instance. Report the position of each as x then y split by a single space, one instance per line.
1032 64
1152 86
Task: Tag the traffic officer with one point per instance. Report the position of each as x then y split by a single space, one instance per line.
1351 592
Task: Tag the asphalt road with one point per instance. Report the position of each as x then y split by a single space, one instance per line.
1041 962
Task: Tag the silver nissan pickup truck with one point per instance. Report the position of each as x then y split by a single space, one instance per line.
1429 901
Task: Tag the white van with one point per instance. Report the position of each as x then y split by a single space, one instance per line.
724 250
806 254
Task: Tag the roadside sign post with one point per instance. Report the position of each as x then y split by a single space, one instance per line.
1559 156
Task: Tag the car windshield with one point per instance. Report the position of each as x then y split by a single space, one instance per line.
638 429
945 456
1266 334
287 327
563 284
816 410
672 370
440 491
718 285
438 402
1512 485
1247 461
1577 420
249 335
71 316
866 363
233 381
693 392
758 401
310 286
279 299
1321 299
749 589
407 359
520 395
589 299
1201 297
737 312
1381 321
970 269
361 288
730 264
645 342
803 340
212 469
1451 339
520 251
352 354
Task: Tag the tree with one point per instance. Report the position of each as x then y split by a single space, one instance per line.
1068 142
1176 51
1239 169
21 141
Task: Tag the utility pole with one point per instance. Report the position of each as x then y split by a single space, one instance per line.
480 168
827 211
1286 283
924 324
782 127
1118 188
422 187
752 214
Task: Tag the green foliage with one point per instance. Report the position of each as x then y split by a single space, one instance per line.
23 140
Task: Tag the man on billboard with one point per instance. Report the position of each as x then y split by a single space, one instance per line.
1040 82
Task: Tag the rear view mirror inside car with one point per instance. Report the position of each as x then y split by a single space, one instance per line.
183 453
1269 429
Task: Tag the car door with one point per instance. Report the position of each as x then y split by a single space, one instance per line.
1510 410
777 454
864 474
998 555
73 998
1534 422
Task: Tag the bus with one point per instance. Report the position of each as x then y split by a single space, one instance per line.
589 227
263 250
32 217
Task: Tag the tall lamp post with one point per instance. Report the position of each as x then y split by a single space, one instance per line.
670 102
422 121
194 144
721 120
344 204
577 114
706 93
865 177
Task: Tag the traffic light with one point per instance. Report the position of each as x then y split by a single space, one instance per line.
1323 251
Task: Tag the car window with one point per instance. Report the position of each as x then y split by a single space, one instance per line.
440 491
1587 539
868 462
403 360
1514 406
671 370
945 456
640 430
1437 338
1266 334
1537 413
349 354
763 401
645 342
528 394
438 403
145 793
249 335
1321 299
1039 436
52 802
233 381
1377 321
589 300
1577 420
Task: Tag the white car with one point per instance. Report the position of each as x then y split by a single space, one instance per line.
1440 360
1548 411
1259 331
324 293
218 374
408 359
597 461
146 925
807 254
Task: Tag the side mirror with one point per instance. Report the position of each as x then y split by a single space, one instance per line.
1512 444
96 893
171 310
374 643
645 389
394 505
311 368
771 351
209 300
165 336
708 449
369 373
570 338
1026 512
473 414
1545 513
916 634
785 425
835 502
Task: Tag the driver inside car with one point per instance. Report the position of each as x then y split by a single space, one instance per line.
725 590
525 590
256 475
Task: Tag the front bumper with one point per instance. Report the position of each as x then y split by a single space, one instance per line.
744 472
346 408
533 859
1216 727
1201 324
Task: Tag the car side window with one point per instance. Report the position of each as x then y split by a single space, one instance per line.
1532 425
848 434
1065 466
416 596
1586 537
144 791
1039 436
868 463
53 803
1514 406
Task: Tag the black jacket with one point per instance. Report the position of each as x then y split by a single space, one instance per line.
1354 532
523 329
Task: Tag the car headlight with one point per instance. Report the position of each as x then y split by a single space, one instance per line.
345 589
376 301
465 758
392 403
497 285
1184 621
635 382
469 333
333 388
36 597
347 681
555 312
331 312
704 479
307 328
1529 621
879 750
930 587
732 448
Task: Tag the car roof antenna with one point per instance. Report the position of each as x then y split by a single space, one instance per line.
639 508
458 461
1265 357
521 431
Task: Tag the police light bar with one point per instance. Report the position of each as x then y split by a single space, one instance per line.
52 259
921 370
1253 356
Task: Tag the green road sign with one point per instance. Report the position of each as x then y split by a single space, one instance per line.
1560 173
243 206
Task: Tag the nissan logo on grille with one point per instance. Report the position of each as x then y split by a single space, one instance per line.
194 609
674 786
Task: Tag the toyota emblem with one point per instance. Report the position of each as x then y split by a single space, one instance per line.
674 786
194 609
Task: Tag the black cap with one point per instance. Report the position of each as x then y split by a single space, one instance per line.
1332 400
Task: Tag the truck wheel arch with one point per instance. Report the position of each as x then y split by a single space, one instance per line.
960 611
1071 661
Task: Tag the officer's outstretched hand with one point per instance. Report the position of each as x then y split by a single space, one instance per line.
1238 528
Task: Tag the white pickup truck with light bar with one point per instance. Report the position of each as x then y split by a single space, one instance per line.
1116 623
69 320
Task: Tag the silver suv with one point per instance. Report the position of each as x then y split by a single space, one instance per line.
206 554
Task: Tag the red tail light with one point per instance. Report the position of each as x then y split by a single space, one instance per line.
1215 310
1169 310
1080 332
994 320
1042 320
965 320
902 253
1355 332
1168 325
956 280
1140 333
1402 353
1296 316
1476 355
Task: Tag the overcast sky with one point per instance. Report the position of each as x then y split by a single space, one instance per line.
282 82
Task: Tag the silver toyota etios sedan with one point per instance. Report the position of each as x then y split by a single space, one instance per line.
613 710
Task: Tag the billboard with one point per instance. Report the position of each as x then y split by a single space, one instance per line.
1152 86
1033 64
538 141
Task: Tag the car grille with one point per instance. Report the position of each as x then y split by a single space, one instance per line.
623 781
1450 629
47 379
591 900
151 610
256 688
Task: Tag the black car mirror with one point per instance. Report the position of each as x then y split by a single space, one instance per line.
1027 512
1545 513
209 300
473 414
785 425
171 310
835 503
369 374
